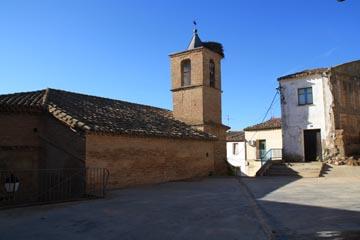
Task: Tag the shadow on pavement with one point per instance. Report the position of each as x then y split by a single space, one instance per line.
293 221
303 220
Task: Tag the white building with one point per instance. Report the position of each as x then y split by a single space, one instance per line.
321 112
263 142
235 148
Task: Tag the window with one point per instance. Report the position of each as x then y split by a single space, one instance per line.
235 148
305 96
186 72
212 73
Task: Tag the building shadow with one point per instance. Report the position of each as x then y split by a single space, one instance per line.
290 220
294 221
261 186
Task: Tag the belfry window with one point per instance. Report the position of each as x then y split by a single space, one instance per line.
186 72
212 73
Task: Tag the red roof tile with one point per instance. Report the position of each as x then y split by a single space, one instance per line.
235 136
273 123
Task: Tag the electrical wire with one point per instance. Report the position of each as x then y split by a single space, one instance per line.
267 112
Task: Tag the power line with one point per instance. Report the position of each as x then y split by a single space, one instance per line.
267 112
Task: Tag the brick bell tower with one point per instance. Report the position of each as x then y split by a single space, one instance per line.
196 88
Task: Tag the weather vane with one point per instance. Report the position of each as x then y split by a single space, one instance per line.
195 29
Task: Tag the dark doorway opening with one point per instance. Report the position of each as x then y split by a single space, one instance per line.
312 145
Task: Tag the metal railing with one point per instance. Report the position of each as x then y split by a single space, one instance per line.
271 154
27 187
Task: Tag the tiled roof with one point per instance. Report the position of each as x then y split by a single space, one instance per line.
101 115
235 136
23 101
304 73
273 123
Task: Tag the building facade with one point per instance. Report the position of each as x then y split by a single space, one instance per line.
235 150
320 111
196 88
138 144
263 141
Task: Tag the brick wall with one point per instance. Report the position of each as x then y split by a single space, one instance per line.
62 147
198 103
32 141
144 160
19 144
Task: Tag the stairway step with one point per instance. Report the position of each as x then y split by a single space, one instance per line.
294 174
295 169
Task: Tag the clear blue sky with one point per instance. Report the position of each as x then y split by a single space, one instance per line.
119 49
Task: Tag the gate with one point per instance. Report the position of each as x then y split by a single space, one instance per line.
27 187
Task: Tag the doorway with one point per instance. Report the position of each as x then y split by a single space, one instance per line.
262 148
312 145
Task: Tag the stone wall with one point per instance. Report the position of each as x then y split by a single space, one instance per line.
345 87
145 160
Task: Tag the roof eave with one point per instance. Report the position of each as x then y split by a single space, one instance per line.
307 73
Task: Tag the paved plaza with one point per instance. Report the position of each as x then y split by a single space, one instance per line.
215 208
211 208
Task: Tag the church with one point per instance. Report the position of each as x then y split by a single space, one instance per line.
137 144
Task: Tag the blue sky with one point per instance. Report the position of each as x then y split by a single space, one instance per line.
119 49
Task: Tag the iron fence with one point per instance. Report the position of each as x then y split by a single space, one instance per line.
26 187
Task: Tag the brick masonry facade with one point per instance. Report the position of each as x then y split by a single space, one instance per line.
19 144
38 141
145 160
199 104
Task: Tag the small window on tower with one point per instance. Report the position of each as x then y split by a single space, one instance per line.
212 73
186 72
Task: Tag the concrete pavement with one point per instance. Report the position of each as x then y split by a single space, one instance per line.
306 208
214 208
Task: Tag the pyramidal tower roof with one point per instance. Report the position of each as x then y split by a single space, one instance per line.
197 43
195 40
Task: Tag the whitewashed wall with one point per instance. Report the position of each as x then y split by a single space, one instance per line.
237 160
273 138
296 118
